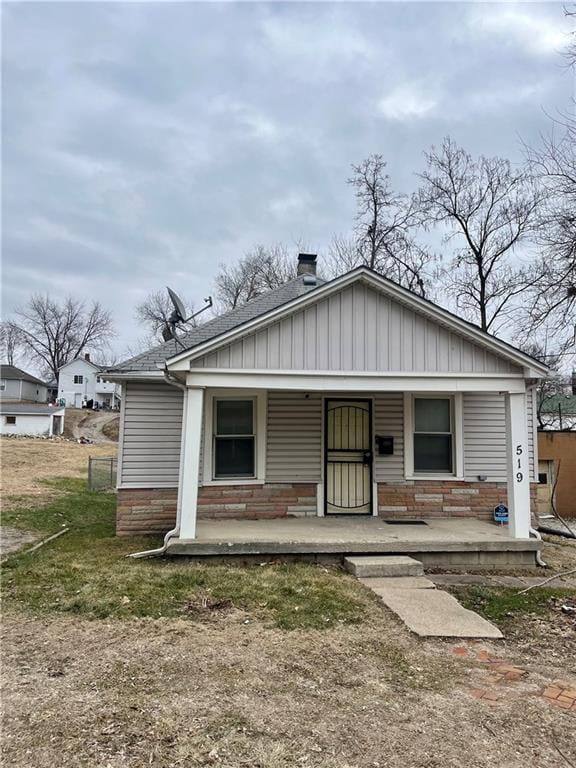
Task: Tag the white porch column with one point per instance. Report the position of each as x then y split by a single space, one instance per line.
190 461
518 465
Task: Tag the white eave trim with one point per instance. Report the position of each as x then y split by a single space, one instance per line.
337 381
181 361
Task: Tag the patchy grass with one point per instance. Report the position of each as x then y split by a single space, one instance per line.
503 605
28 463
86 572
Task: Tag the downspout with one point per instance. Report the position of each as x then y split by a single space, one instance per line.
539 560
176 530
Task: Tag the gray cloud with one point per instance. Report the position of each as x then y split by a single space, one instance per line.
146 143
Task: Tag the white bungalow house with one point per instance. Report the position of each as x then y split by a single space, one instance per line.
345 416
80 381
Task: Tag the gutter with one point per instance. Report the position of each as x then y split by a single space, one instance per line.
169 379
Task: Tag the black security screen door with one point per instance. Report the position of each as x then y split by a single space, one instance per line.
348 476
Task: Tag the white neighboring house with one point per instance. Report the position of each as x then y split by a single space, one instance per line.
80 381
16 384
31 419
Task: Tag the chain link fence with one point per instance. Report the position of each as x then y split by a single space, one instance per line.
102 473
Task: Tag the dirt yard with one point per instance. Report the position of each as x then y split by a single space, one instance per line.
97 426
28 462
229 691
115 663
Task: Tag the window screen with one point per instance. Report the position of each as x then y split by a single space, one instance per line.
433 438
234 438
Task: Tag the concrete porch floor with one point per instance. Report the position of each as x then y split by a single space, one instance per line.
441 542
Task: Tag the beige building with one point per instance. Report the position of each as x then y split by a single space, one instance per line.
336 400
557 472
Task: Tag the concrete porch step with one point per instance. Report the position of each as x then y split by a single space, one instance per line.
379 566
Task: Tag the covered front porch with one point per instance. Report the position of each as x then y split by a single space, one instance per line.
395 506
438 542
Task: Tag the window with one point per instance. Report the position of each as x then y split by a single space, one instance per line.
2 386
543 478
433 435
10 419
234 439
78 379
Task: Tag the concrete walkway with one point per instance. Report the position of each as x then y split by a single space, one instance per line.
430 612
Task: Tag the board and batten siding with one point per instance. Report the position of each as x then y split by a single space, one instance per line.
150 456
356 329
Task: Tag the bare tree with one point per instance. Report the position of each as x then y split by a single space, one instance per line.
54 333
553 299
259 270
570 52
491 210
549 388
154 312
384 231
10 341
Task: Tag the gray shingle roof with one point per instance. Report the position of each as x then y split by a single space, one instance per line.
28 409
11 372
155 357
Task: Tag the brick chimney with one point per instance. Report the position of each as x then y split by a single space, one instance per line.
87 356
306 264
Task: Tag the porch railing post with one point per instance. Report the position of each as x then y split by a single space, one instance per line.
188 491
518 465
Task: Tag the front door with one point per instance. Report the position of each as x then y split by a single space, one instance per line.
348 476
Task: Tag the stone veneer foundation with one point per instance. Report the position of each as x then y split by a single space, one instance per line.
142 511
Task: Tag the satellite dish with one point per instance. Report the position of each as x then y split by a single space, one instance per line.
178 316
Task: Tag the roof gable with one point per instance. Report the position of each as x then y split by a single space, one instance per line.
356 328
10 372
84 362
154 358
437 337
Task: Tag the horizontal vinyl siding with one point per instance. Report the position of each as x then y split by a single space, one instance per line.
356 329
484 423
151 435
532 432
389 422
294 438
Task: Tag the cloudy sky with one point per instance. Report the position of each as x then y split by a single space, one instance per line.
145 143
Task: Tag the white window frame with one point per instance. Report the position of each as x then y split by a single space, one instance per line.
2 385
260 399
457 437
78 378
10 423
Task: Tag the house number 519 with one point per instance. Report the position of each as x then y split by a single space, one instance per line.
519 452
